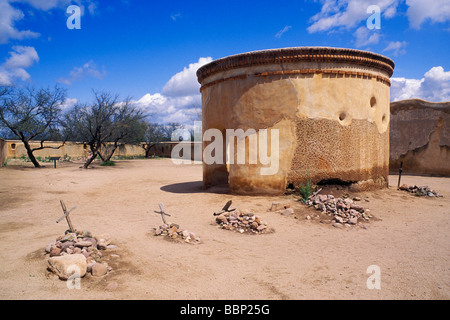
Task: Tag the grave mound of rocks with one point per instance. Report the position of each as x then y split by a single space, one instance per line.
242 221
174 232
344 211
80 249
422 191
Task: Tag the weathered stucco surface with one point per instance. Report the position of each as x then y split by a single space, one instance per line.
331 107
420 137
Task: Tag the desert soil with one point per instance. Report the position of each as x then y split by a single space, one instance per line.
408 238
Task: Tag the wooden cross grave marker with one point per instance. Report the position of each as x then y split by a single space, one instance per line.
162 213
66 215
226 208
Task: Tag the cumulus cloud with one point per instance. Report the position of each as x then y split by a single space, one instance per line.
365 37
180 99
434 11
348 14
434 86
8 18
185 82
89 69
396 47
46 5
14 67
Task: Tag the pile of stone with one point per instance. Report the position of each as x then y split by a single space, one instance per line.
174 232
345 211
80 249
242 221
422 191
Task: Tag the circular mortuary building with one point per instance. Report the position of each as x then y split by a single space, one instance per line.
275 118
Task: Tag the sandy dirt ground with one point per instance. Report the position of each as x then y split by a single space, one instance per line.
408 239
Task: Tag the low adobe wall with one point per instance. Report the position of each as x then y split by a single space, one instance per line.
331 107
420 137
3 156
16 149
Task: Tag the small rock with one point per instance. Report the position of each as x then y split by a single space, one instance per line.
89 266
98 270
68 265
287 211
337 225
102 244
86 234
221 219
111 246
353 220
185 234
82 244
276 206
49 246
55 252
112 286
404 187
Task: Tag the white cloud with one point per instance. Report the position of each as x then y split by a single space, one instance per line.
397 47
47 5
283 31
348 14
175 16
434 86
14 67
180 100
89 69
8 17
185 82
365 37
69 104
420 11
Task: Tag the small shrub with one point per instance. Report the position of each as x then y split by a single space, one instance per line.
306 190
108 164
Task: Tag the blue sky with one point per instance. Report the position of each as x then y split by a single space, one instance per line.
150 50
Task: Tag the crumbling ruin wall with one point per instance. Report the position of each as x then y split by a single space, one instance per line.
331 107
2 152
420 137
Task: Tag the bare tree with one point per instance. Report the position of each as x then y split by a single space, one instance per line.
106 120
32 114
127 127
157 133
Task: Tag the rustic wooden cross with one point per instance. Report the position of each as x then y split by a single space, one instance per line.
400 175
226 208
66 215
162 213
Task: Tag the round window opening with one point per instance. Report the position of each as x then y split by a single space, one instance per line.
373 102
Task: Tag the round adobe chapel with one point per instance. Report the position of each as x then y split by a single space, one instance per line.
330 106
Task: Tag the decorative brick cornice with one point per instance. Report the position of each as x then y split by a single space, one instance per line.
296 55
343 73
